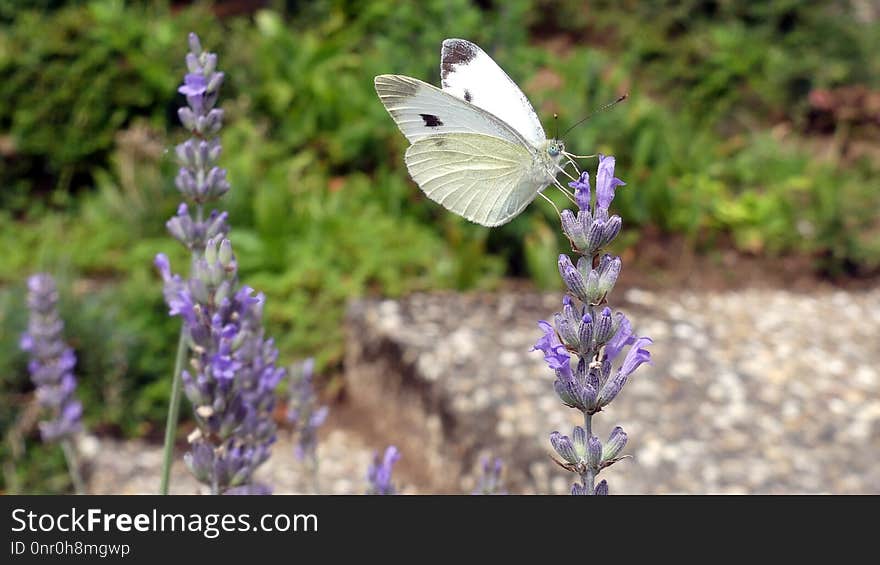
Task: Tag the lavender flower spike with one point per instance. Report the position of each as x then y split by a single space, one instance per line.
588 328
306 416
490 477
199 179
232 370
51 361
303 411
51 368
234 375
379 473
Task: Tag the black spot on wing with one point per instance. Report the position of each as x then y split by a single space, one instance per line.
467 95
456 52
431 121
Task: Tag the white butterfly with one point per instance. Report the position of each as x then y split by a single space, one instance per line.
478 147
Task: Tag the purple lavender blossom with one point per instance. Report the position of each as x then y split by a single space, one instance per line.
233 378
51 361
490 477
592 228
303 411
199 179
232 372
379 473
588 329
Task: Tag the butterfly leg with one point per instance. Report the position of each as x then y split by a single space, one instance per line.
564 172
547 198
568 194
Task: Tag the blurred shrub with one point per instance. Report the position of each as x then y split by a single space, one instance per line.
729 60
71 78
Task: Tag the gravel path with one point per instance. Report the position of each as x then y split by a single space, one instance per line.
754 391
133 467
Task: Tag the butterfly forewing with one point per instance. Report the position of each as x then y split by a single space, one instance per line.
485 179
421 110
468 73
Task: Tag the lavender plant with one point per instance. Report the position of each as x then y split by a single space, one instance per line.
306 416
589 330
379 472
232 371
51 368
490 477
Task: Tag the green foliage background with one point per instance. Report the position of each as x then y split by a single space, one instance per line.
714 141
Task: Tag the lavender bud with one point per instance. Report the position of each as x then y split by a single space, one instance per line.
566 393
594 452
211 251
567 331
225 255
609 270
578 490
586 398
595 236
593 294
604 327
209 63
192 63
195 46
573 229
572 278
614 445
579 441
563 446
612 388
214 83
585 334
212 123
602 488
187 118
611 229
379 473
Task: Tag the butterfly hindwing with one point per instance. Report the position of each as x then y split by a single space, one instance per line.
485 179
421 110
469 74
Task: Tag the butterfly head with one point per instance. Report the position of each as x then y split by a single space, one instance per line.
555 148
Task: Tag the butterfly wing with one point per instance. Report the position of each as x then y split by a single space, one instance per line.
485 179
469 74
421 110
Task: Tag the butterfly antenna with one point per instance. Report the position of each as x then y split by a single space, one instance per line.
608 106
556 121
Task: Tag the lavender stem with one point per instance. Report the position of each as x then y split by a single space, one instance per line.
73 466
173 413
316 481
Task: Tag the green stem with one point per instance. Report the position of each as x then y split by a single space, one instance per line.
316 481
173 414
79 486
589 477
176 390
